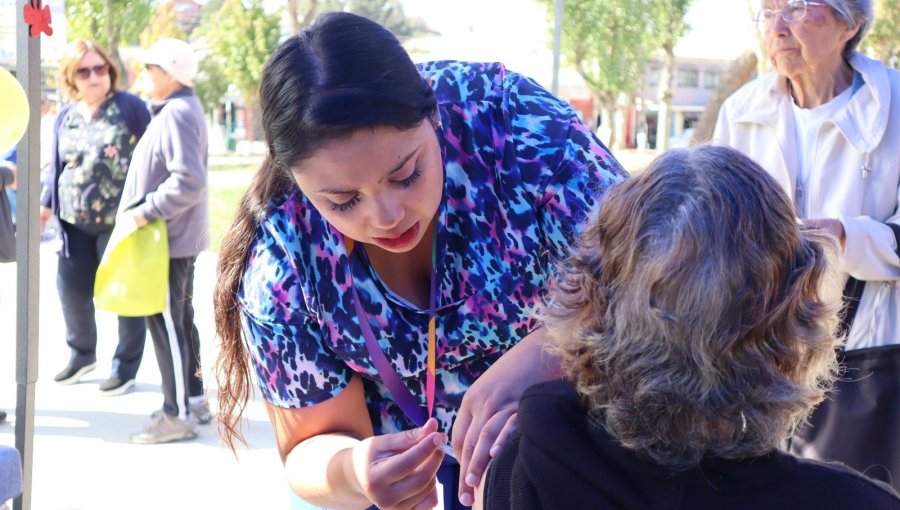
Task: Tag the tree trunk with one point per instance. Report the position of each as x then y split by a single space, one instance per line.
292 16
741 71
112 47
664 97
300 20
606 131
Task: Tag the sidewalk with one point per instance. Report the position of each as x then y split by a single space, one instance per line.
82 457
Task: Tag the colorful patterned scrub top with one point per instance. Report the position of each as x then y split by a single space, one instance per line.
95 156
521 173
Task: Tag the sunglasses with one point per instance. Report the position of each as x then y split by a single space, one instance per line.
83 73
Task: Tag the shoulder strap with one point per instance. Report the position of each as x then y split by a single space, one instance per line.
401 394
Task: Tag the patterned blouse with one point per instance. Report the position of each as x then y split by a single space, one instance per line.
521 173
95 156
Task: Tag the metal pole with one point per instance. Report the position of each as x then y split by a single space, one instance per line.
28 72
557 39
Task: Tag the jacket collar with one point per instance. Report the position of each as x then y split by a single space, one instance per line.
863 121
156 106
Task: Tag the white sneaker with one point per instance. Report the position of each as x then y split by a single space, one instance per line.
163 428
202 412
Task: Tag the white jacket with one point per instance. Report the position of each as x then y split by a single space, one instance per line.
855 178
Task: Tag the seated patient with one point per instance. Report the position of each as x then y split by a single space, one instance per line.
696 324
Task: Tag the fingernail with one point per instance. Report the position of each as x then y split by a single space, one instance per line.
467 499
495 450
471 480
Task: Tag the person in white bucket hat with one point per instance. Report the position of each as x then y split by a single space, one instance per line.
175 57
168 180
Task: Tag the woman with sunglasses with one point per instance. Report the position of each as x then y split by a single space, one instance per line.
826 125
93 138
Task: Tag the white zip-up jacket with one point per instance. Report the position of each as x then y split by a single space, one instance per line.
855 178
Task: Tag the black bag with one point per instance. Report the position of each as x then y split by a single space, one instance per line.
7 229
859 421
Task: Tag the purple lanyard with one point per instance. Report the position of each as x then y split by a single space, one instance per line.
391 379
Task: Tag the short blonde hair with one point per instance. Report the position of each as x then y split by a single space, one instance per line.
75 51
694 316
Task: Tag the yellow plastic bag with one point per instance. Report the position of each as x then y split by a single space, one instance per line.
133 275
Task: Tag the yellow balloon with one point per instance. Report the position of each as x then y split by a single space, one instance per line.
13 112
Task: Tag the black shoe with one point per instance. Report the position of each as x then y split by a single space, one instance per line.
71 375
2 416
115 386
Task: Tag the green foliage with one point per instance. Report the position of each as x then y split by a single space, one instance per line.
209 10
668 21
884 39
109 22
241 36
607 42
210 85
163 23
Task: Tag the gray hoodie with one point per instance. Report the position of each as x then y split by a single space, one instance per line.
168 174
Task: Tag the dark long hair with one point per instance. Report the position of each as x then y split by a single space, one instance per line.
341 74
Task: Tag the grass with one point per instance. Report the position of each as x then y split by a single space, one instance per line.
225 191
232 168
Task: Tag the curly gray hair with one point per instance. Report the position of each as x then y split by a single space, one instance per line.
694 316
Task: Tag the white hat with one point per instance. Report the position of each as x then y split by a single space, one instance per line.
175 57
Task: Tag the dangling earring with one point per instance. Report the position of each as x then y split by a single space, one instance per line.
436 119
743 423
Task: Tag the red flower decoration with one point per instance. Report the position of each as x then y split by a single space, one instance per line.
38 18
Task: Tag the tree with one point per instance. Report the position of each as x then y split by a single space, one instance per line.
741 71
110 23
163 23
608 43
669 25
301 13
210 85
242 36
884 39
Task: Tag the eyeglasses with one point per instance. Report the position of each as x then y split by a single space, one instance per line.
791 12
83 73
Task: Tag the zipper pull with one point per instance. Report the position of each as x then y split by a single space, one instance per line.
865 171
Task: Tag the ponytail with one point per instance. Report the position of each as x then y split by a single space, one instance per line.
232 370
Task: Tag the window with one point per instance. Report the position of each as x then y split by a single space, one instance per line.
653 76
688 78
711 79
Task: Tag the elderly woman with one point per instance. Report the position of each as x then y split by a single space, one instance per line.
93 137
696 324
826 126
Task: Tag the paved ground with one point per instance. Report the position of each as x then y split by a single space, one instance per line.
82 457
